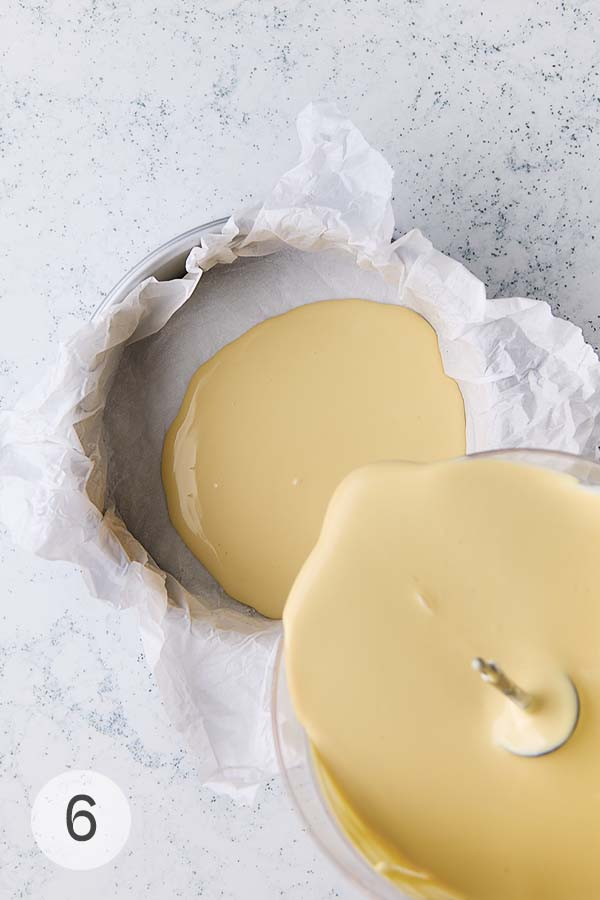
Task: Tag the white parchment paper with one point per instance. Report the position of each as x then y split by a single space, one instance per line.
80 456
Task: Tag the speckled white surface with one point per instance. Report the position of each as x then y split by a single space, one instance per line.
125 123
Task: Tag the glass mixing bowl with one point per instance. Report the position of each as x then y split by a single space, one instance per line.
292 745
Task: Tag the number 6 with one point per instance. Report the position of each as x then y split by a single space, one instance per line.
83 812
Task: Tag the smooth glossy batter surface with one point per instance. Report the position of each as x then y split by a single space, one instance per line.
271 424
418 570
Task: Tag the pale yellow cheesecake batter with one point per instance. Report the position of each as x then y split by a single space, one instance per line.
271 424
419 571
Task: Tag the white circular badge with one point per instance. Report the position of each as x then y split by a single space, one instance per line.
81 820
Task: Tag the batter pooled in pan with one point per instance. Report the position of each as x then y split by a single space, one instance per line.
275 420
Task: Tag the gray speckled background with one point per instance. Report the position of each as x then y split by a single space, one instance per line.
125 123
